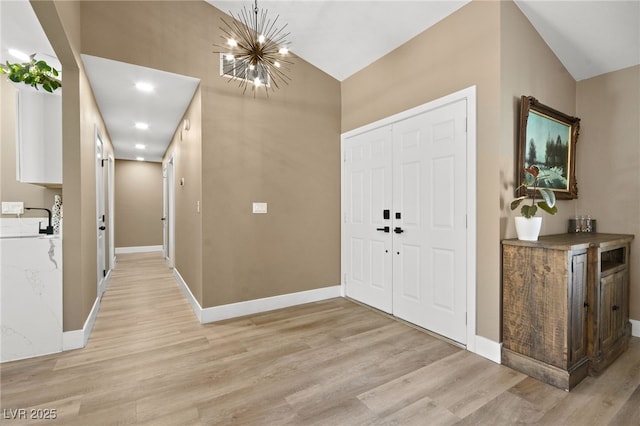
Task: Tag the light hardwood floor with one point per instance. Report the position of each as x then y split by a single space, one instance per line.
333 362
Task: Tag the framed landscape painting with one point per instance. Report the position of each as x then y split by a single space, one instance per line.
547 139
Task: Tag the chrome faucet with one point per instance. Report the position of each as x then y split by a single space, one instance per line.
49 229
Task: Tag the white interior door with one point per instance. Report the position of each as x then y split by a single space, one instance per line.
165 213
100 213
367 232
418 271
429 199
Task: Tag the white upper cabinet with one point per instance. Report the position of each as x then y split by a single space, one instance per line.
39 137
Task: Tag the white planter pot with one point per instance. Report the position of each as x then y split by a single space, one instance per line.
528 229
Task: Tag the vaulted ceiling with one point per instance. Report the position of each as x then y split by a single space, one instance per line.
341 37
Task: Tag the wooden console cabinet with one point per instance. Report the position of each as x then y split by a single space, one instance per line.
565 305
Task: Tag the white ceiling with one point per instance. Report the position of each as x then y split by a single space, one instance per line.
342 37
122 105
339 37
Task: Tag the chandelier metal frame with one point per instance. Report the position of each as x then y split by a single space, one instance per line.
258 47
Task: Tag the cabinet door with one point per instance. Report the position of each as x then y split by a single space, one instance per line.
578 310
611 309
39 137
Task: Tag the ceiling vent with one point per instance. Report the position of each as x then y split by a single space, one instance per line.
237 69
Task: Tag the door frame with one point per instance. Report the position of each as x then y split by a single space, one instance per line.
168 229
110 212
101 242
468 94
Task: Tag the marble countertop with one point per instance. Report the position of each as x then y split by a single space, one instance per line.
41 236
26 227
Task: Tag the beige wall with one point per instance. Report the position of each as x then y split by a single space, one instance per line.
186 151
138 203
460 51
283 150
10 188
493 46
529 67
61 22
608 160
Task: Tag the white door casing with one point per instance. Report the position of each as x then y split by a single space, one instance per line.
169 214
165 213
111 210
433 259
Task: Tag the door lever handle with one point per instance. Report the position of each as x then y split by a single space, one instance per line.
385 229
398 230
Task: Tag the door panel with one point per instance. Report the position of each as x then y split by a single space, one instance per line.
578 300
429 160
101 225
368 194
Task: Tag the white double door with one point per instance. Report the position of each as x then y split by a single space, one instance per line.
404 234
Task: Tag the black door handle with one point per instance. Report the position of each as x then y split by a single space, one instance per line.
102 228
398 230
385 229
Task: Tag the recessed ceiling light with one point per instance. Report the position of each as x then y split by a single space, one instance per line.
142 126
140 146
140 158
19 55
144 87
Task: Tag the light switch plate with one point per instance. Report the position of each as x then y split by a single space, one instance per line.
259 208
12 207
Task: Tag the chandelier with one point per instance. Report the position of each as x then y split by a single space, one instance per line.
255 50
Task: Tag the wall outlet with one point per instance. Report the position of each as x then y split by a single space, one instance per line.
260 208
12 207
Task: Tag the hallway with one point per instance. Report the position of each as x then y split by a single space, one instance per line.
333 362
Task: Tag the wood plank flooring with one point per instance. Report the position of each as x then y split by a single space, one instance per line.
334 362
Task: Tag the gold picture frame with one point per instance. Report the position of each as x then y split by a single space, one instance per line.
547 138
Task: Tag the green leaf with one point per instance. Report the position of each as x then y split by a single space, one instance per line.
528 211
33 73
548 196
547 208
515 203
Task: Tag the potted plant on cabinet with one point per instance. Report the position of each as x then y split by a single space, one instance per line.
528 225
33 73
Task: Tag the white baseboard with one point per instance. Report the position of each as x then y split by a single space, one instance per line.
233 310
76 339
488 349
195 306
492 350
140 249
218 313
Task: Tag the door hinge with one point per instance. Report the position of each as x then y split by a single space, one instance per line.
102 163
103 218
104 272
